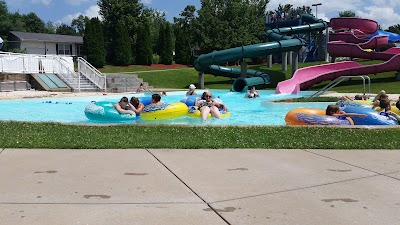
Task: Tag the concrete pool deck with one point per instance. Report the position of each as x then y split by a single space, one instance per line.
199 186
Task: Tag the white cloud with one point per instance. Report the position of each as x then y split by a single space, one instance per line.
44 2
75 2
92 11
147 2
385 16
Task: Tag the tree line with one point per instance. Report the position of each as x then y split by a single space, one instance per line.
131 33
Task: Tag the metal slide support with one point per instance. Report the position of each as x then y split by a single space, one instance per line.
339 80
284 61
326 44
201 80
269 61
295 62
243 68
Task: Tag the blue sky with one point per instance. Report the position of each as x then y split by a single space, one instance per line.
385 12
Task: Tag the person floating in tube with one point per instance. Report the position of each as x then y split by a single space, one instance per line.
252 93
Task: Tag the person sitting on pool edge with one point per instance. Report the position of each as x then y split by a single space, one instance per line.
207 105
137 105
252 93
156 100
123 106
334 110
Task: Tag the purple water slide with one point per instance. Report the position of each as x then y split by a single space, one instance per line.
306 77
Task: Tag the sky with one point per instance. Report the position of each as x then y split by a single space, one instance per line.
385 12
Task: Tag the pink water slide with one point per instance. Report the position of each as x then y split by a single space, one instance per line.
307 77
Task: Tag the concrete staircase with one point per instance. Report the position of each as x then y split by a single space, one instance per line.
124 83
86 84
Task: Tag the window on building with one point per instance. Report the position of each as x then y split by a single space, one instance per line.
64 49
80 51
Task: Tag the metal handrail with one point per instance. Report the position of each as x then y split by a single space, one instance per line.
339 80
92 74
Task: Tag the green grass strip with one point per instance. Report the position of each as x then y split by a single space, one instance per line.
60 136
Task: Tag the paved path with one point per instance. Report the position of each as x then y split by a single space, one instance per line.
226 186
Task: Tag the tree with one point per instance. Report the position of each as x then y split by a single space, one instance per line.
347 13
167 55
122 46
144 49
394 29
65 30
223 24
33 23
185 31
93 41
182 49
51 29
160 41
128 11
79 23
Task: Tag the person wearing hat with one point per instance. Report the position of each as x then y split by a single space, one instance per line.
192 90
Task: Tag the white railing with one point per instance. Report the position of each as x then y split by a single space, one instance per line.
61 65
67 73
29 63
91 73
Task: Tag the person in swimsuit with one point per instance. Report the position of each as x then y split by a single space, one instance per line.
137 105
382 102
252 93
207 105
156 100
123 106
191 90
334 110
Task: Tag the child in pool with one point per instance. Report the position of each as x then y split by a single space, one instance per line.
334 110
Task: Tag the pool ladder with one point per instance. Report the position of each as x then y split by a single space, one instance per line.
339 80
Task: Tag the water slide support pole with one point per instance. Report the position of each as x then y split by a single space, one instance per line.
326 44
201 80
290 57
320 43
284 61
269 61
243 68
295 62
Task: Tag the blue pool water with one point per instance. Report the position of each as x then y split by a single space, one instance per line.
244 111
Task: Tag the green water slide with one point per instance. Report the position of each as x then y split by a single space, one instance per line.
282 42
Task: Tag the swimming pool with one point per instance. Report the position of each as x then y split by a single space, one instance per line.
244 111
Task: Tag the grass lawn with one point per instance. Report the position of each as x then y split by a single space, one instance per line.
183 76
53 135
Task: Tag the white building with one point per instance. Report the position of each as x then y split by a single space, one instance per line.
46 44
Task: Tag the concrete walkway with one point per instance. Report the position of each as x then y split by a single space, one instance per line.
226 186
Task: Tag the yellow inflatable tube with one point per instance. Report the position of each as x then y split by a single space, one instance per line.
164 112
394 108
195 112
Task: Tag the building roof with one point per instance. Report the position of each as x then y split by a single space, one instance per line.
25 36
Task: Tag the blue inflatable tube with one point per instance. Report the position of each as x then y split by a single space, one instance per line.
372 117
190 100
104 111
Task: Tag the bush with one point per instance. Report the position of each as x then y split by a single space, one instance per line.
156 59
